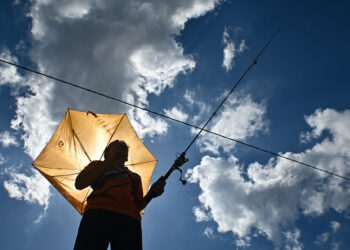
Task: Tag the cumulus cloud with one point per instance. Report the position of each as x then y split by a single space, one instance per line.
33 189
270 198
239 118
231 50
6 139
126 49
199 108
144 124
176 113
191 9
335 225
189 97
209 232
292 240
33 116
200 214
323 238
335 246
9 73
2 159
28 188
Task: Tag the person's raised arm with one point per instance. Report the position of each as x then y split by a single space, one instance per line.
156 190
90 174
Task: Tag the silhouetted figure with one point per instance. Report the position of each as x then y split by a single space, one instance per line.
112 214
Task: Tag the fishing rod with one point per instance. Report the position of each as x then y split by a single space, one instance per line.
181 158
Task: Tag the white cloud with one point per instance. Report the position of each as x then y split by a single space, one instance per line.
243 242
144 124
33 116
231 50
209 232
229 54
323 238
6 139
335 225
321 121
242 46
177 113
200 214
2 159
74 9
158 68
189 97
199 108
126 49
292 240
335 246
8 73
192 9
33 189
271 197
239 118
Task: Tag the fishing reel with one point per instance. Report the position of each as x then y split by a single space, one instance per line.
180 160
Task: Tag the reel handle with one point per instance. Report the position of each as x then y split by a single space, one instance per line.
179 161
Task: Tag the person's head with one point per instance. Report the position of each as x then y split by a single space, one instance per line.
118 150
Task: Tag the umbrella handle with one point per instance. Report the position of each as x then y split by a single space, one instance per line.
179 161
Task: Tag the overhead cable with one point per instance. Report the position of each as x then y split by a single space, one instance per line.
176 120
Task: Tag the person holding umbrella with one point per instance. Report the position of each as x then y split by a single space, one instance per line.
112 214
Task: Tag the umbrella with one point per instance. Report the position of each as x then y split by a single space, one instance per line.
82 137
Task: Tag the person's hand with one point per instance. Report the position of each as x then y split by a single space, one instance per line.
157 188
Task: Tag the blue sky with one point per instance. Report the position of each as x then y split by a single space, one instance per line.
179 58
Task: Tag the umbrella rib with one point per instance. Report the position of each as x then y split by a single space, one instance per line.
66 185
71 125
59 183
37 165
112 135
85 197
81 145
67 193
62 175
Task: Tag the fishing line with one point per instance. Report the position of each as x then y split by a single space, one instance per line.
181 159
233 88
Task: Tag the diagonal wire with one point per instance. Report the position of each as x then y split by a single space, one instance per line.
171 118
281 156
91 91
234 87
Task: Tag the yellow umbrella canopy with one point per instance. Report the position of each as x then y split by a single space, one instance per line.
82 137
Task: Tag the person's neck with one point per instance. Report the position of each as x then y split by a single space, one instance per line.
118 164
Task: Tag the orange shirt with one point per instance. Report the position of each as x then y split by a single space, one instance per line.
117 190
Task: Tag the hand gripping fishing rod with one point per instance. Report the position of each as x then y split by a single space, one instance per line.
181 159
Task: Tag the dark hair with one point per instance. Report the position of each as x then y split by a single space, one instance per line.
119 143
